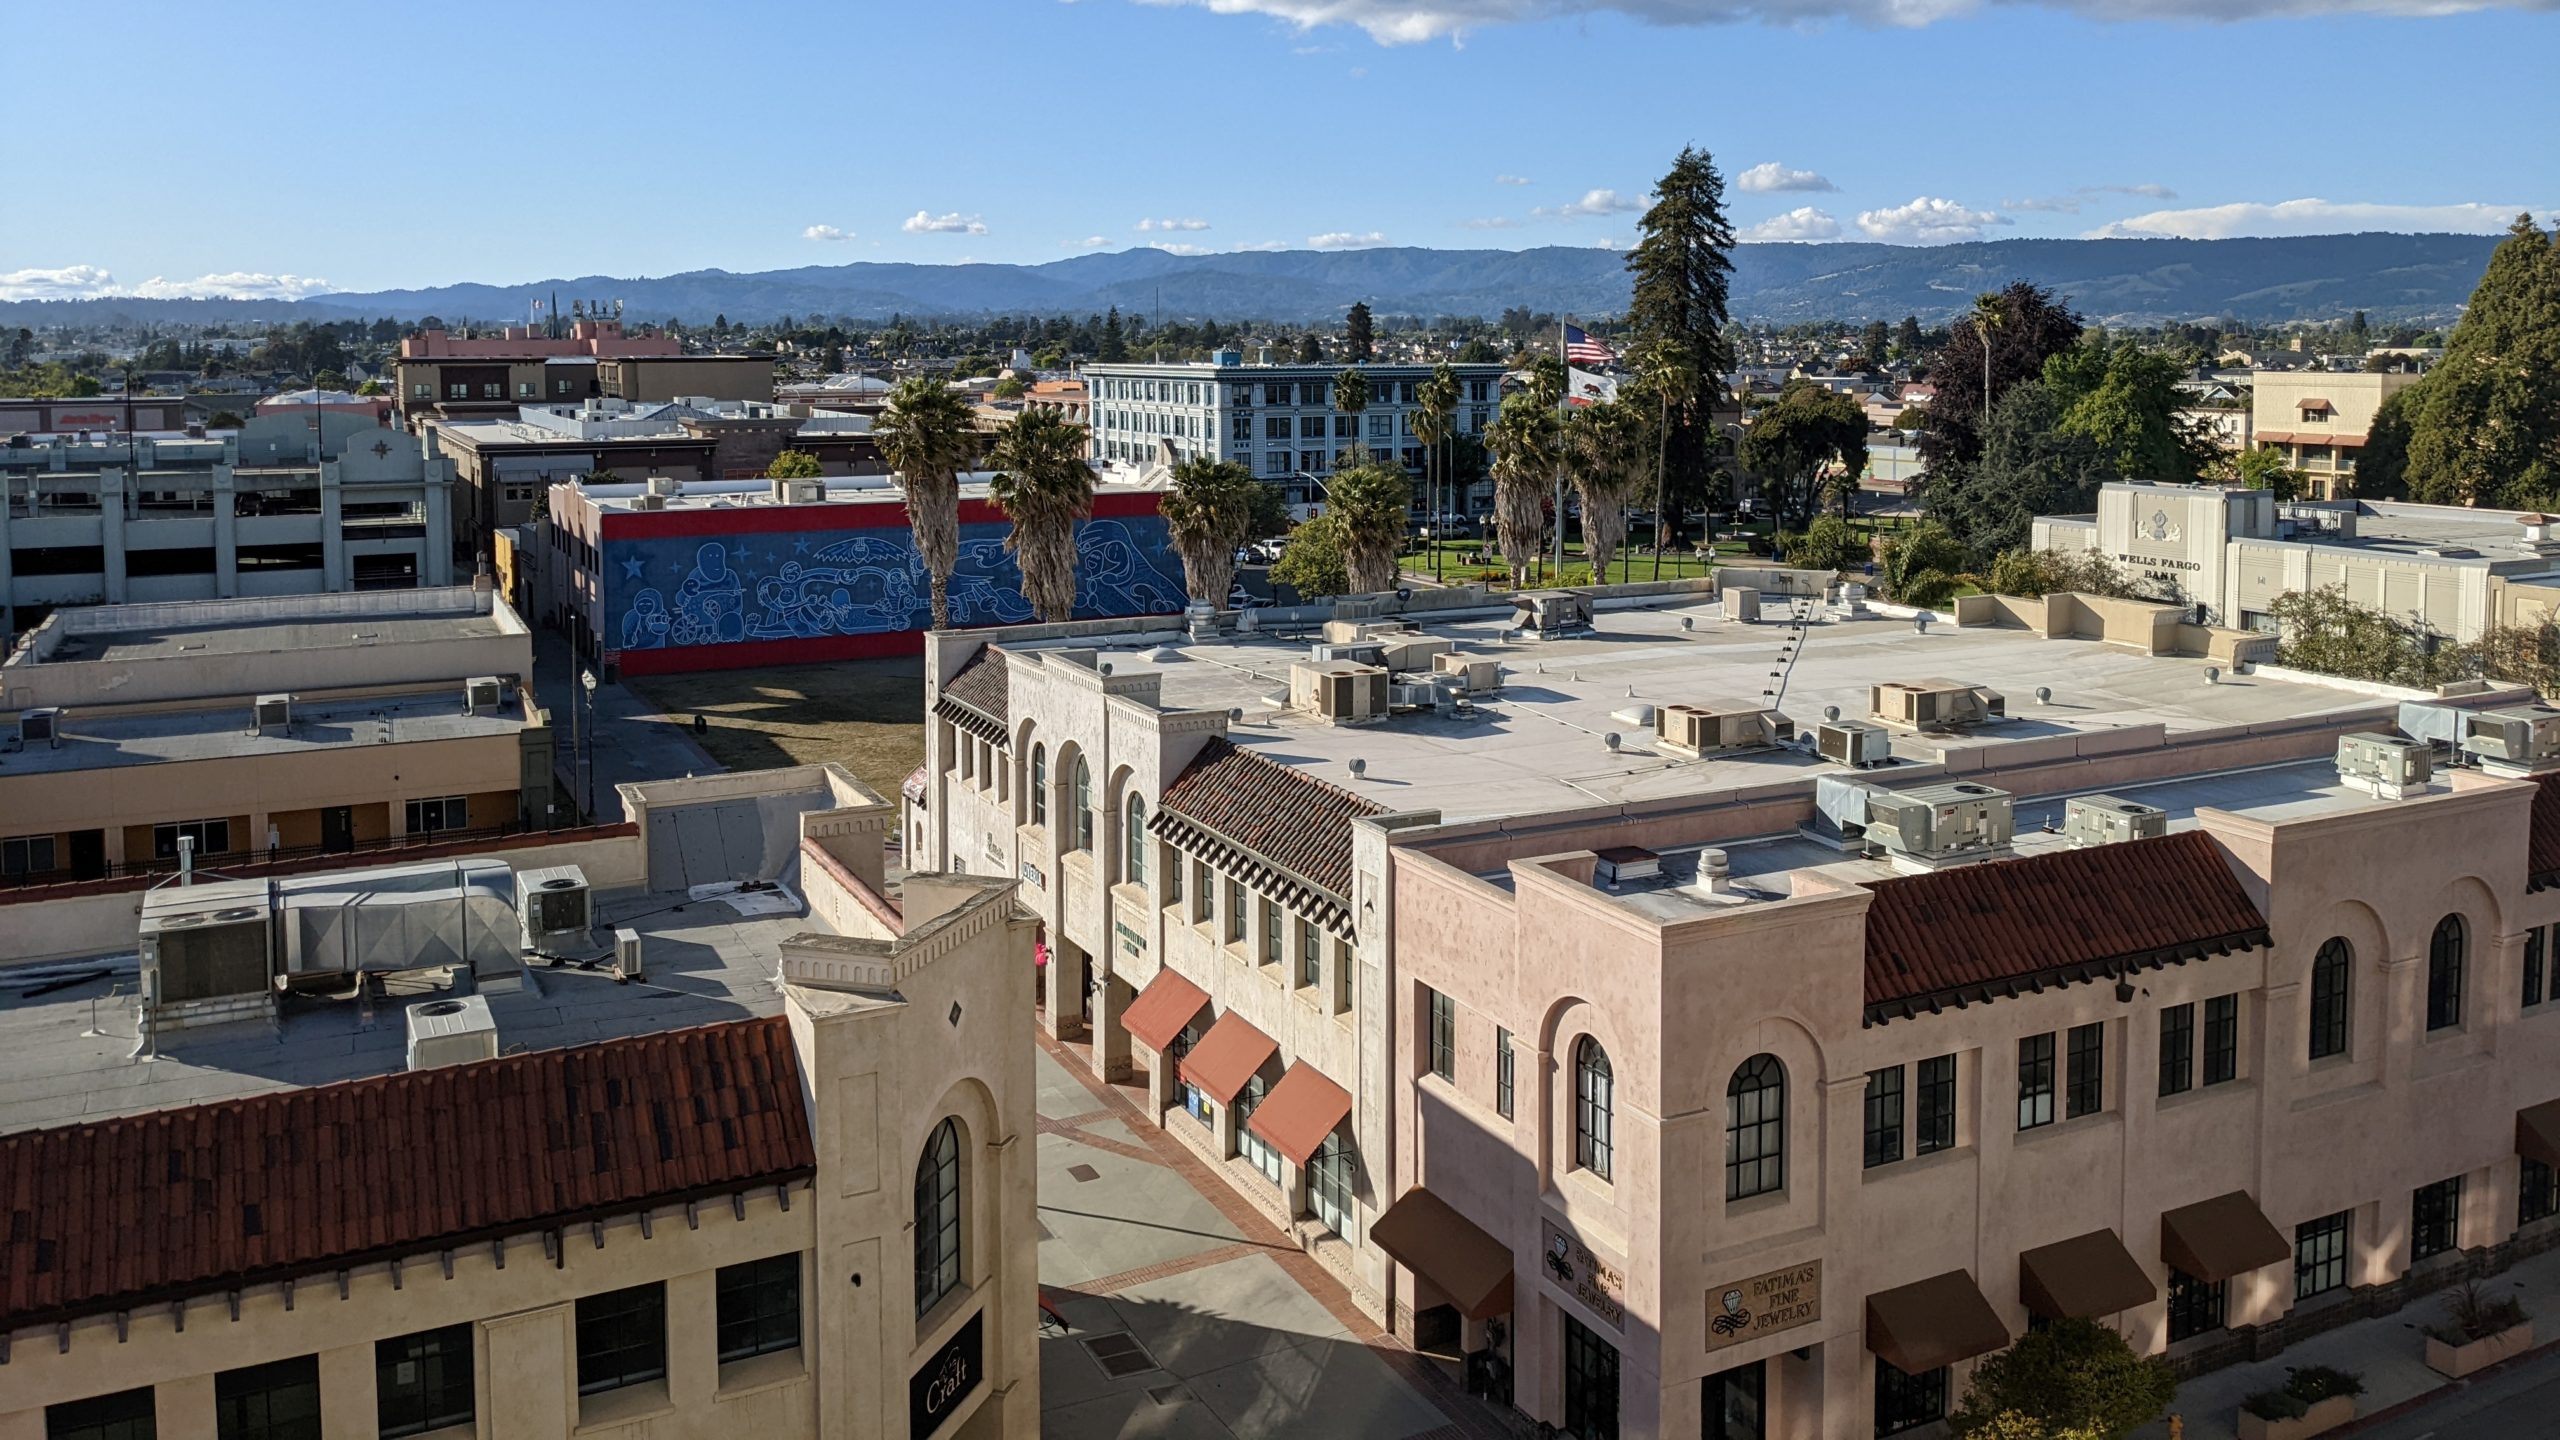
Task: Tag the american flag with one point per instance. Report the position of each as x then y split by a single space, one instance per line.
1581 349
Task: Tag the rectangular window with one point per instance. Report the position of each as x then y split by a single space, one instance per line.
422 1382
2537 1191
2533 967
125 1415
1933 1116
2320 1255
212 837
276 1401
1342 978
1310 954
1204 893
1329 1177
1311 392
1884 1116
1311 425
1272 953
1235 911
1907 1402
2177 1049
2195 1306
759 1307
1275 427
2435 1215
622 1338
452 812
1275 394
1443 1039
26 855
2088 1071
2221 1039
1346 427
1171 862
2035 1081
2329 1003
1502 1074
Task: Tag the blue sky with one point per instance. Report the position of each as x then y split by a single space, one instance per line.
287 149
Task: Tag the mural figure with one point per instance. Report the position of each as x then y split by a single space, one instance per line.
710 605
644 625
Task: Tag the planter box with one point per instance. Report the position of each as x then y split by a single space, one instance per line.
2457 1361
2323 1416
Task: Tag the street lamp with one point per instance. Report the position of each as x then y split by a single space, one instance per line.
586 750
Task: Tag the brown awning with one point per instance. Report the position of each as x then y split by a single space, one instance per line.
1918 1327
2313 402
1434 1241
2218 1238
1300 1112
1226 1057
2538 1132
2082 1278
1162 1009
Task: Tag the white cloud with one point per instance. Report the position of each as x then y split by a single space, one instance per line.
1176 247
1772 178
1090 242
1593 202
2312 217
1802 223
1406 22
955 223
71 282
1265 246
1173 225
1490 222
2080 199
1928 220
81 282
1346 240
2147 192
1511 180
825 232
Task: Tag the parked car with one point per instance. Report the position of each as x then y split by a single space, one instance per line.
1269 551
1240 598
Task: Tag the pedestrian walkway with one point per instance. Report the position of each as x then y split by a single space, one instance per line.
632 742
2389 1351
1190 1316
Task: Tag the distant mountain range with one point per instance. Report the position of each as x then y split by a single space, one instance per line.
2390 277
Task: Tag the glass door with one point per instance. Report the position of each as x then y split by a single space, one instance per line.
1590 1384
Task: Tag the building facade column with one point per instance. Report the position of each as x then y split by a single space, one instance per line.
112 484
226 533
333 532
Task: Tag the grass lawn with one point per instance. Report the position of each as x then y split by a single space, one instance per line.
866 715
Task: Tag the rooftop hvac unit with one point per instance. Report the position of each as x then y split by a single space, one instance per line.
1624 864
1339 692
274 714
1700 730
799 492
2384 766
41 726
1934 825
1476 676
1355 652
451 1032
1933 704
1552 612
1854 743
648 502
2521 741
557 915
627 965
2105 820
481 694
207 954
663 486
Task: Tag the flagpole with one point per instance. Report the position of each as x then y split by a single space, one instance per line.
1564 404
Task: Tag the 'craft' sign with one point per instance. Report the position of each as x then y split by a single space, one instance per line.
936 1389
1764 1305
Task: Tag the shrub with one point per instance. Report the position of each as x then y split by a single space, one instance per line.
2275 1405
2033 573
1829 543
2072 1377
2312 1384
2474 1314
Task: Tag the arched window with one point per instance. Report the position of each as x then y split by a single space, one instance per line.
1039 784
1755 1129
2444 974
1084 805
1594 1107
2332 973
1133 843
938 1217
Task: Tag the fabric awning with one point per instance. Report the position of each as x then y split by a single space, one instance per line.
1918 1327
2218 1238
1226 1057
2538 1132
1161 1010
1300 1112
1427 1236
2082 1278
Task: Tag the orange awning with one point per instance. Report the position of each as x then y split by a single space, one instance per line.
1162 1009
1300 1112
1226 1057
1430 1238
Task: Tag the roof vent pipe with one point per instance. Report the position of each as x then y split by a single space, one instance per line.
1715 872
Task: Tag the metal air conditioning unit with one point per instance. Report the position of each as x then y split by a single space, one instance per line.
207 956
1339 692
556 909
1933 704
40 726
627 964
664 486
482 694
1932 826
274 714
1475 676
1854 743
1624 864
451 1032
1552 612
799 492
1437 693
651 501
2105 820
2386 767
1356 652
1698 730
2520 741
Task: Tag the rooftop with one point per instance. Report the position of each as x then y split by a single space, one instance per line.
294 623
94 739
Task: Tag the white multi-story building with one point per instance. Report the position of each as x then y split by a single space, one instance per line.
1279 420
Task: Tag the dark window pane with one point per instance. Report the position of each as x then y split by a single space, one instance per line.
422 1382
2533 952
938 1217
1934 1119
2537 1191
759 1306
125 1415
2177 1049
2035 1081
1755 1131
1594 1108
2444 974
1737 1404
2088 1071
1502 1072
622 1338
1907 1402
2434 1213
2221 1038
1884 1115
2329 993
2195 1306
2320 1255
276 1401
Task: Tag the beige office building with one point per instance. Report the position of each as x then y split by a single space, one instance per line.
762 1167
2319 419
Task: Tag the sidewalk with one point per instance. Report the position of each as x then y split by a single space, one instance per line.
2389 1351
633 741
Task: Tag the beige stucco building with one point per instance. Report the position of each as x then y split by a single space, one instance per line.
789 1195
2319 419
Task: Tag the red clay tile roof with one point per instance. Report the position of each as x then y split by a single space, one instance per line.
2006 927
1273 823
974 698
2542 850
173 1203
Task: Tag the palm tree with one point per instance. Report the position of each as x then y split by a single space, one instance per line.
1523 441
1664 369
1370 503
1603 445
1990 312
1207 512
1351 396
1044 487
1435 422
928 436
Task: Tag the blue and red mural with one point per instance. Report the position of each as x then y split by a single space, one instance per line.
722 588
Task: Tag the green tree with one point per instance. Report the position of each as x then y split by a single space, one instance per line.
2034 573
928 436
371 388
1009 387
1606 446
1208 509
1523 441
1313 565
1667 381
1478 351
2073 1377
1787 445
2033 467
1875 345
1829 543
1911 418
2382 470
1115 341
793 465
1361 334
2485 425
1682 266
1351 397
1922 565
1907 340
2324 632
1371 502
1433 424
2126 399
2015 329
2263 468
1309 351
1044 487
